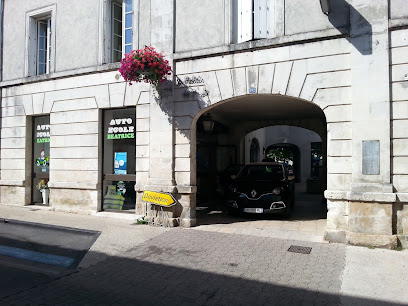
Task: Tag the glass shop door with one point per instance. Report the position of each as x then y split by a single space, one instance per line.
119 160
41 160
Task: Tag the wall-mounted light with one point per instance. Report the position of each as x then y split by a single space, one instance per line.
208 124
325 5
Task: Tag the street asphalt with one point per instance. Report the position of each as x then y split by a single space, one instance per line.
145 265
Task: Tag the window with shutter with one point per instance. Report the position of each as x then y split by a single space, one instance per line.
261 11
245 19
255 19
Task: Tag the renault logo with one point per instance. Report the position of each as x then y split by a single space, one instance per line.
253 193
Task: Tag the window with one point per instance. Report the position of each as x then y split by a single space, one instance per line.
40 41
128 26
116 32
253 19
119 30
43 46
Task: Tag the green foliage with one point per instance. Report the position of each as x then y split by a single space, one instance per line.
141 221
280 154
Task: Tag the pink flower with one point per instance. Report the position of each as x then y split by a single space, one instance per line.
136 62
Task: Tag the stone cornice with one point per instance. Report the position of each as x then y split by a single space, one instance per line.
377 197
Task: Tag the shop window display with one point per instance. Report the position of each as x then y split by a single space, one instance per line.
41 159
119 159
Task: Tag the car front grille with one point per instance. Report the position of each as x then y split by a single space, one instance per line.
264 201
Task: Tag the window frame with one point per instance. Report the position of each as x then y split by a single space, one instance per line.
106 158
113 34
124 28
38 175
47 22
33 18
262 21
107 54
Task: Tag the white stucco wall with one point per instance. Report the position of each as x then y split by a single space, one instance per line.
75 147
314 20
398 9
199 27
76 35
300 137
346 77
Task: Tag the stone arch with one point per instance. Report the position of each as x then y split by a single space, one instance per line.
316 73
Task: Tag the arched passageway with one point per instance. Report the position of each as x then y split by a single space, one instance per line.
222 149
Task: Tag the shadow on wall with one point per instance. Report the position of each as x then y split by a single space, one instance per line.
360 32
169 93
194 95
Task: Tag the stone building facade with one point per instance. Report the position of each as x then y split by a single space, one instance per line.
244 64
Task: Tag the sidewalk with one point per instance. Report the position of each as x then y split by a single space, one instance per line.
117 234
146 265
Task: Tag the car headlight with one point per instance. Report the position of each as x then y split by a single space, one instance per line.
276 191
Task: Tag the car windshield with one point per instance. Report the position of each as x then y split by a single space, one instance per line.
234 169
262 172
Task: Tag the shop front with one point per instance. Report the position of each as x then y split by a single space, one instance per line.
40 160
119 147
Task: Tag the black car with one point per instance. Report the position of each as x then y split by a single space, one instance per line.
225 177
262 188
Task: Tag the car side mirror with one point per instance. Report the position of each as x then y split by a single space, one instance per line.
233 177
291 177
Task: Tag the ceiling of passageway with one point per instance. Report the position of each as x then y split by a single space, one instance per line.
264 108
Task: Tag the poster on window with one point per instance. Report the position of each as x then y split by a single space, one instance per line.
120 163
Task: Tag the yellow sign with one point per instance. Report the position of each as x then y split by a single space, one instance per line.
158 198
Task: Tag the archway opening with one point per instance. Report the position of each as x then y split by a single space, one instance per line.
285 153
254 151
232 139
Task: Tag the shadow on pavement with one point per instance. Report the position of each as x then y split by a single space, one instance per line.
168 271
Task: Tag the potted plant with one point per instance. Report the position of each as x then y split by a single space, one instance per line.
145 65
42 186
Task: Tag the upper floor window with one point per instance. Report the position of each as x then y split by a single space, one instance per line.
253 20
43 46
128 29
116 32
40 41
119 30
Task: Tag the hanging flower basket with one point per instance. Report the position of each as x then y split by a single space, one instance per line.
145 65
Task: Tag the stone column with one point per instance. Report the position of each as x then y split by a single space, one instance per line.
161 143
369 202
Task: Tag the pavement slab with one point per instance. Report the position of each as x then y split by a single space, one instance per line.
140 264
183 267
